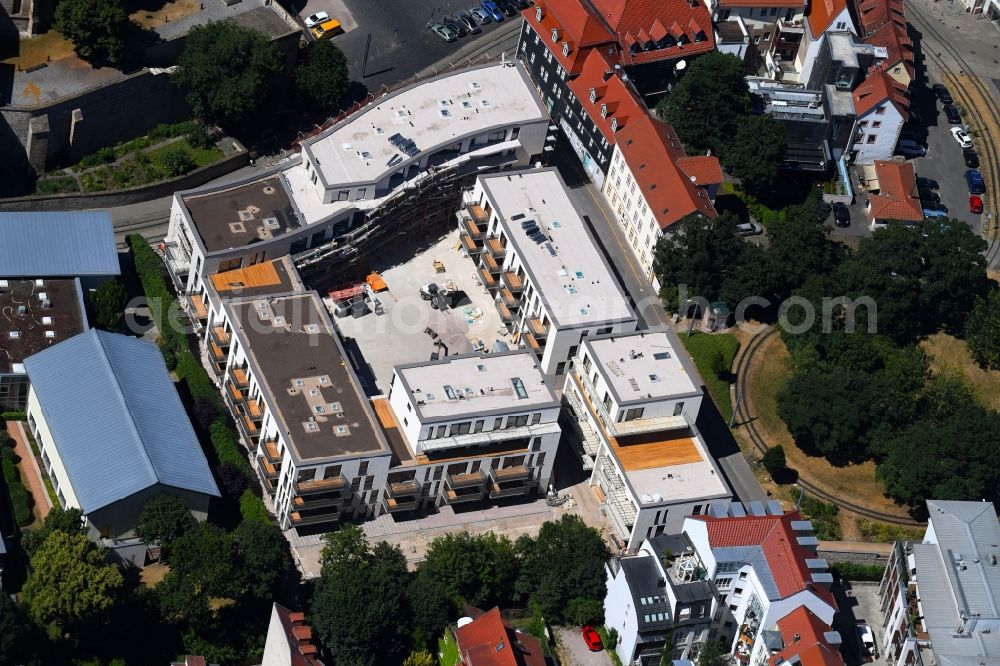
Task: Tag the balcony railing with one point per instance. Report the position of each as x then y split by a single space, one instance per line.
299 520
496 248
471 229
457 496
254 411
537 328
271 451
393 505
235 394
215 352
317 501
403 488
509 299
487 279
625 428
491 264
239 377
477 214
321 485
471 247
532 343
512 282
468 480
508 489
250 427
505 315
518 473
220 335
487 437
267 469
198 308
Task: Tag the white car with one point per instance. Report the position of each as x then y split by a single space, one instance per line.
867 638
962 137
317 19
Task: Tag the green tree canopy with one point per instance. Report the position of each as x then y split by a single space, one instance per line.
97 28
226 70
321 75
982 331
68 521
479 569
713 653
564 563
706 105
699 255
429 604
18 636
108 302
162 521
755 151
360 600
71 582
420 658
263 556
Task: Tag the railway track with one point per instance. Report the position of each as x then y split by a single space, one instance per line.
746 420
987 145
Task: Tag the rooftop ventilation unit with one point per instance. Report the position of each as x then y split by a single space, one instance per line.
42 295
50 335
46 321
14 335
39 282
272 223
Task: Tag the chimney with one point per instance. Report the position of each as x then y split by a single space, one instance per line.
608 74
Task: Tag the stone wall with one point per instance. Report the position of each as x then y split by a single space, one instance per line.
132 195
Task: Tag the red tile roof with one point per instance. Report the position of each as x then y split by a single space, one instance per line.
897 198
873 14
774 534
804 635
703 170
878 88
789 4
573 24
489 641
893 36
821 14
298 636
598 73
642 21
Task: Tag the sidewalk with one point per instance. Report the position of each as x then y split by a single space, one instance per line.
31 474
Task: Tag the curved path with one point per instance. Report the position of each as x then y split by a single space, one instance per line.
746 419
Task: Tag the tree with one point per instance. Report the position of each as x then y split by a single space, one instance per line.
360 599
231 478
698 256
713 653
108 302
70 581
204 558
321 75
982 331
713 81
420 657
564 563
774 461
263 557
68 521
755 151
580 611
429 605
226 69
799 247
162 521
18 640
479 569
97 28
176 161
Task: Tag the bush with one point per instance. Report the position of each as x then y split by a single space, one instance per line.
20 499
57 185
583 611
199 137
14 416
252 507
176 161
774 461
885 533
226 447
824 518
856 571
232 479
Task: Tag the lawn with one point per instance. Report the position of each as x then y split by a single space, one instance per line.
949 353
447 649
43 48
170 11
705 348
201 156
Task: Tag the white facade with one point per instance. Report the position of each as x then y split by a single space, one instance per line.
876 133
636 404
552 287
632 213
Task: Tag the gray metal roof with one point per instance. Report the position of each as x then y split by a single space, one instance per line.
59 244
116 419
644 582
959 584
755 557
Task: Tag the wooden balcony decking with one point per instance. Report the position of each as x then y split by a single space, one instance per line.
250 426
470 245
505 314
495 247
473 231
467 480
509 299
269 470
532 343
511 473
240 378
215 352
220 335
321 485
271 451
538 329
254 411
477 214
198 306
235 394
512 281
300 520
491 264
403 488
487 279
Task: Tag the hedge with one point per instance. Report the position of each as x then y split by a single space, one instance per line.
20 499
14 416
225 444
856 571
252 507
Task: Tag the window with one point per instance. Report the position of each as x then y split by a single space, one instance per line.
743 575
536 444
517 421
723 583
331 472
565 48
437 473
696 511
774 12
733 607
678 408
461 428
841 25
561 368
555 34
479 426
876 124
880 111
363 468
498 423
343 194
863 123
727 625
536 418
871 138
763 11
767 36
738 592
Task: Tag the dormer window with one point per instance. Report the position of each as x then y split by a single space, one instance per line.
565 48
593 94
604 110
555 34
538 13
614 124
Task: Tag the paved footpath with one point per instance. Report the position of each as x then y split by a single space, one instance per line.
31 474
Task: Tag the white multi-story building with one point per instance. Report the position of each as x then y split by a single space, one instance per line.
881 106
469 427
536 255
331 193
941 597
635 403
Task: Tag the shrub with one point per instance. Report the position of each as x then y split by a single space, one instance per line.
884 533
14 416
232 479
200 138
176 161
774 461
20 499
57 185
225 445
856 571
824 518
252 507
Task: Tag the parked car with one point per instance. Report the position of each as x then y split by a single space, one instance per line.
942 93
316 19
867 638
444 32
971 158
920 136
471 24
927 183
592 639
962 137
455 25
481 16
491 8
522 4
974 180
928 195
749 229
506 6
933 212
954 117
911 144
935 206
841 214
326 30
911 151
975 204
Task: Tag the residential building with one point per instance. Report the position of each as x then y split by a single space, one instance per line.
634 401
298 404
48 261
486 639
656 595
469 427
113 434
763 563
941 596
289 640
773 28
894 194
801 637
805 117
881 105
391 169
649 42
535 254
883 23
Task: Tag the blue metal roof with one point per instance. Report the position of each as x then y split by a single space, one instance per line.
57 244
116 419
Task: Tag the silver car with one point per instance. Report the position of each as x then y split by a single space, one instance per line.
444 32
482 17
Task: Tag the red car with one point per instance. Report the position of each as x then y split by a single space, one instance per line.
592 639
975 204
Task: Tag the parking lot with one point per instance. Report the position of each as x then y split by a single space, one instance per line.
858 603
399 336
